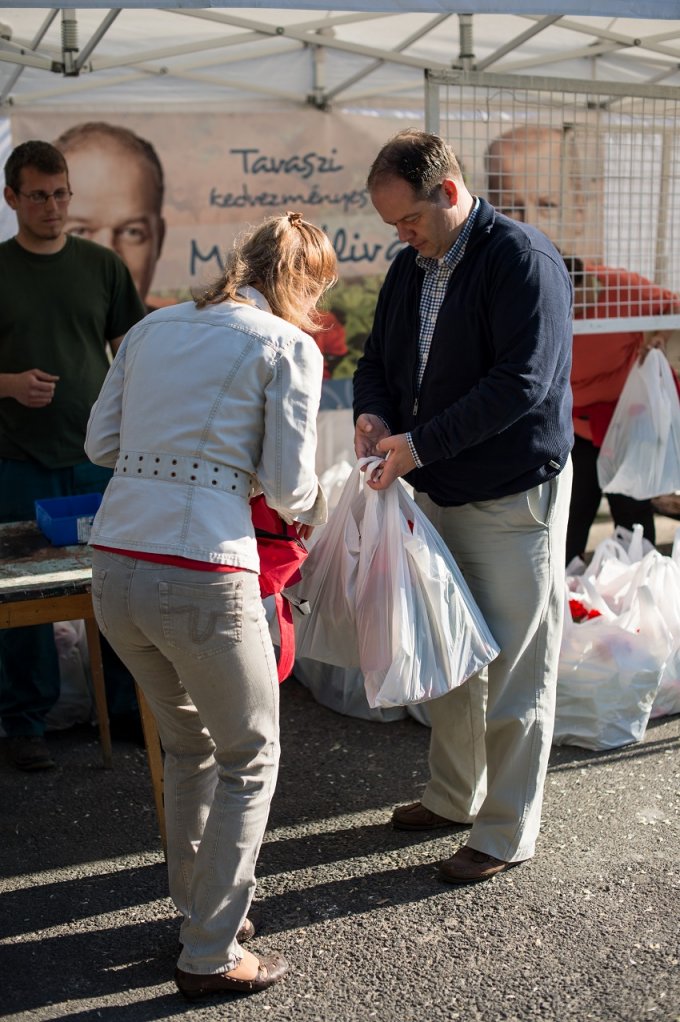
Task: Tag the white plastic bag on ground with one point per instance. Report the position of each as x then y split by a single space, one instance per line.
663 580
75 704
640 454
342 689
621 667
609 672
617 577
420 712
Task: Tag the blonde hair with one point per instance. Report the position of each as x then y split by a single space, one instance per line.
288 260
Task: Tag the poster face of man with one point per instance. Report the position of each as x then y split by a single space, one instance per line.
195 183
533 175
115 203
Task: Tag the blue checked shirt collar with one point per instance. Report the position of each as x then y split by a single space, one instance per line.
457 250
435 282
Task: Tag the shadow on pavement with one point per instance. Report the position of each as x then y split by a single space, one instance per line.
87 931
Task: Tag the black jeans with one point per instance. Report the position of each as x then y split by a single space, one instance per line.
585 500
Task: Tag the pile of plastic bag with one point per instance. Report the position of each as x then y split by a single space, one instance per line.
75 704
386 596
620 657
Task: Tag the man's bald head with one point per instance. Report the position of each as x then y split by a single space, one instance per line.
117 183
534 175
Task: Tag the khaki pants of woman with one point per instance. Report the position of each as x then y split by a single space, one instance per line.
198 645
491 737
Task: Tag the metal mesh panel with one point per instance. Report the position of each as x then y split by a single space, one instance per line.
596 166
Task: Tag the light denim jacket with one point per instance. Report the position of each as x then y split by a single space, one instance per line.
200 410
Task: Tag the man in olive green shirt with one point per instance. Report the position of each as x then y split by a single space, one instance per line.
64 300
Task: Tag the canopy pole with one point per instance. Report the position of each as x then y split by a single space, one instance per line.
318 97
35 42
465 61
466 56
69 41
431 105
97 38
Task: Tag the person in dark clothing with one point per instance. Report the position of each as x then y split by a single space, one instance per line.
463 389
601 363
64 300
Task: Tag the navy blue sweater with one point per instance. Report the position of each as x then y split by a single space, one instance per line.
494 409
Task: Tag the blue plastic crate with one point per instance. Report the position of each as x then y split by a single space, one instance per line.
67 520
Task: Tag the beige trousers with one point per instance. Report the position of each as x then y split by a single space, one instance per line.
491 737
198 645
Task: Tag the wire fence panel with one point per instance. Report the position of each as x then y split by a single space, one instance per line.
595 165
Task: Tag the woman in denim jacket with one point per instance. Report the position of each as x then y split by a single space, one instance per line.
207 403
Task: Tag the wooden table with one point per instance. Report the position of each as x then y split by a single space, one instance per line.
41 584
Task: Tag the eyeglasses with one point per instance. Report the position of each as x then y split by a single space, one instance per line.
41 198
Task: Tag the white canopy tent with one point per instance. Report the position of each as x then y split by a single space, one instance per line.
370 53
265 80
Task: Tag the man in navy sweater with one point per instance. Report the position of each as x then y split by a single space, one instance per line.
463 389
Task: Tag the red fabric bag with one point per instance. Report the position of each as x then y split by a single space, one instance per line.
281 554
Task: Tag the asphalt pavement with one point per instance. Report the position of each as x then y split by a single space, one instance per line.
588 930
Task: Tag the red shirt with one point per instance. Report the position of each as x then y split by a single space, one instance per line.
179 562
601 362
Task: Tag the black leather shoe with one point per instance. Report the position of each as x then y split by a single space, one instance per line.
271 969
30 752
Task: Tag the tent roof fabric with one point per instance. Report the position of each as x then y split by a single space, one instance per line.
137 56
610 8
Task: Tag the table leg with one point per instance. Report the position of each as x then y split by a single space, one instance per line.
99 689
154 755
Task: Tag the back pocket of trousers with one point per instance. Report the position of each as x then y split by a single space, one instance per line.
202 619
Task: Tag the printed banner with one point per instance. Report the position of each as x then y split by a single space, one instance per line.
175 194
170 192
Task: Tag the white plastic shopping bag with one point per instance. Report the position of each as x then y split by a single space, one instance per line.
328 633
640 454
664 584
332 483
620 656
417 631
609 672
342 689
432 634
621 565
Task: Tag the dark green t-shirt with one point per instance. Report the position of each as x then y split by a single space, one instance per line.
57 313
